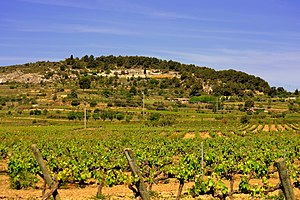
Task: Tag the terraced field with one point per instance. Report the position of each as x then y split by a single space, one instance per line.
271 127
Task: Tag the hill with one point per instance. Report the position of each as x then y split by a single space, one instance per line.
145 73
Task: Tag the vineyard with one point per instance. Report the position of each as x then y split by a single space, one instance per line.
209 158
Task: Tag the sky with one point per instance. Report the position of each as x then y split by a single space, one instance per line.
259 37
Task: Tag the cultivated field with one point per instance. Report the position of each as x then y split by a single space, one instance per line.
168 155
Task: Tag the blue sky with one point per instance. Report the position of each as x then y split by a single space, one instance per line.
259 37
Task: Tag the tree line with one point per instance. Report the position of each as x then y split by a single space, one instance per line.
224 82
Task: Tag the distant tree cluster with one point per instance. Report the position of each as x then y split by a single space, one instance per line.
226 82
98 114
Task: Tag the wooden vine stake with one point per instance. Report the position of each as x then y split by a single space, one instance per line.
285 180
53 186
136 172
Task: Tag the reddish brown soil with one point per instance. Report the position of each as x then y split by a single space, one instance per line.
189 135
280 127
273 128
259 127
266 128
163 191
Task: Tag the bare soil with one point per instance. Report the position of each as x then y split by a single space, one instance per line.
189 135
266 128
259 127
204 135
162 191
280 127
273 128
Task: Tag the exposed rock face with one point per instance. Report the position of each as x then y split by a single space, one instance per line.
19 76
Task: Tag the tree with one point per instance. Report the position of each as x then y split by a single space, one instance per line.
93 103
281 90
70 61
272 91
85 58
73 94
196 90
133 90
249 103
85 83
75 102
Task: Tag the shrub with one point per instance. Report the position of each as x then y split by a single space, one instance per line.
80 115
110 115
93 103
167 121
72 115
73 94
119 116
159 105
54 98
96 116
109 104
154 117
244 119
75 102
45 111
203 99
35 112
120 103
128 118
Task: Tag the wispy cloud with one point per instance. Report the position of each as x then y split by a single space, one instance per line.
65 27
62 3
78 29
167 15
237 57
113 5
122 7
